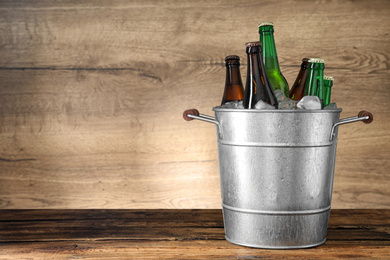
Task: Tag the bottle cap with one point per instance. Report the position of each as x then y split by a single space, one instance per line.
232 57
253 44
328 77
316 60
265 23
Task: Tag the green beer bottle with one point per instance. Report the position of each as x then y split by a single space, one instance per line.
270 58
315 79
328 83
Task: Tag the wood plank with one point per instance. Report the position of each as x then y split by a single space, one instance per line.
91 97
173 234
51 225
185 250
100 34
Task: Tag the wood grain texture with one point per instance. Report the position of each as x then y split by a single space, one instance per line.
92 95
173 234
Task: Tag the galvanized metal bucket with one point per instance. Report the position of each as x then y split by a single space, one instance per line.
276 173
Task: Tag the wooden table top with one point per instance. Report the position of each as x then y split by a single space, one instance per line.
173 234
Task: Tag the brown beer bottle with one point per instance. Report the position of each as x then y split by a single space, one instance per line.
257 86
234 89
298 89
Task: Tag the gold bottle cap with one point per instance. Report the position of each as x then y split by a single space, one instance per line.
328 77
265 23
253 44
316 60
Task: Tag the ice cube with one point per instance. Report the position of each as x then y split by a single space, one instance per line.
288 104
283 101
240 105
233 104
309 102
263 105
331 106
280 95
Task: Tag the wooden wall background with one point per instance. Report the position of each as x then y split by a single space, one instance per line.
92 95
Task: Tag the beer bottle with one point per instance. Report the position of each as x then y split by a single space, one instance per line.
270 58
257 86
328 83
234 89
298 89
315 79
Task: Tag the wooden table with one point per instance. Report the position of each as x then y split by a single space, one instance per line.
173 234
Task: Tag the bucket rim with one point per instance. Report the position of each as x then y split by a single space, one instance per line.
298 111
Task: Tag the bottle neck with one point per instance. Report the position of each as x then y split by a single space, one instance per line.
270 56
328 83
252 73
327 91
233 75
305 64
253 61
302 75
316 66
302 72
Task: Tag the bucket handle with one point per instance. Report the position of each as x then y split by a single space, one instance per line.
191 114
364 116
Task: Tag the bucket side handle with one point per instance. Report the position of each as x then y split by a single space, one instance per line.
191 114
364 116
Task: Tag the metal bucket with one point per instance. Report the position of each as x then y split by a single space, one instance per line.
276 173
